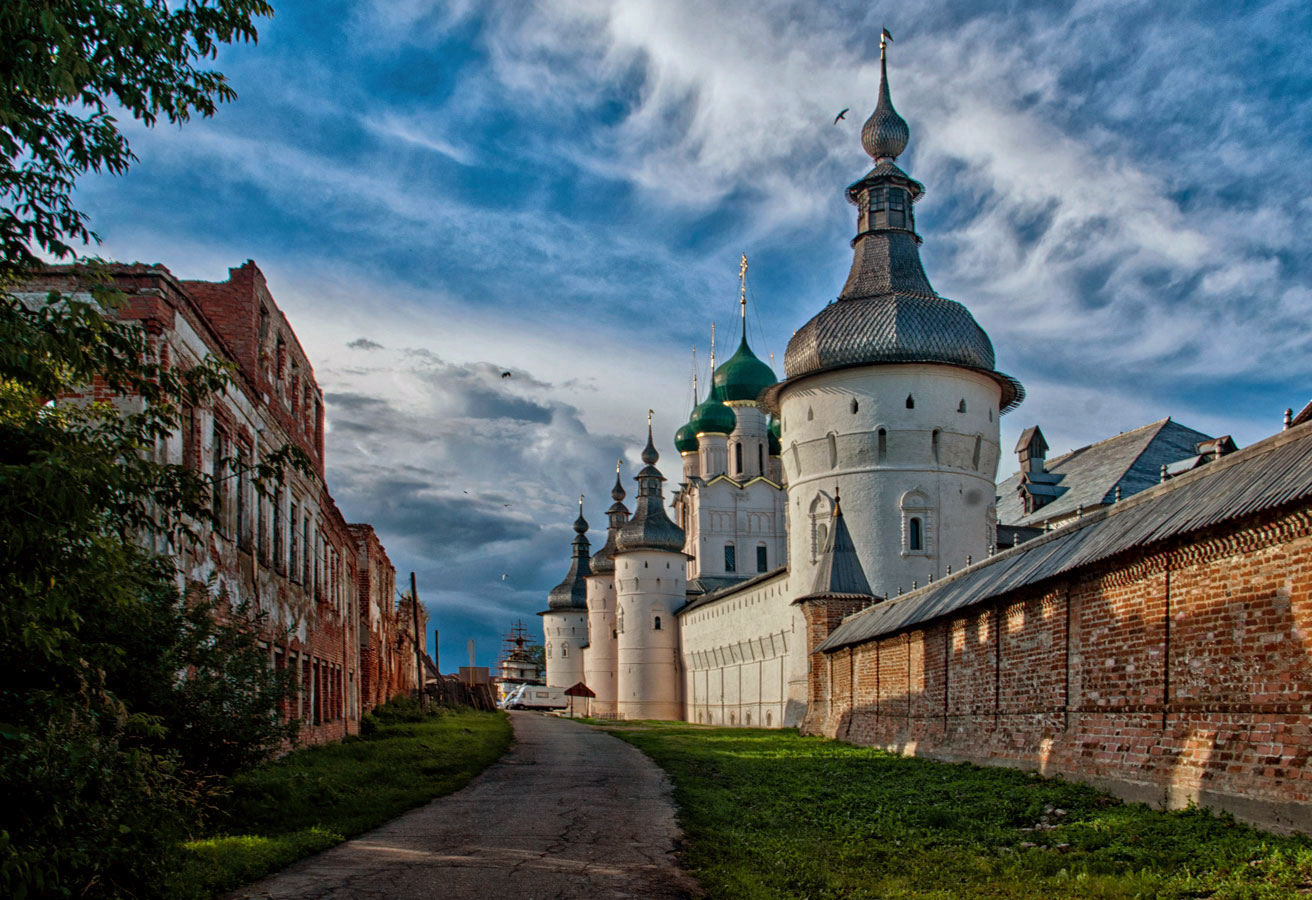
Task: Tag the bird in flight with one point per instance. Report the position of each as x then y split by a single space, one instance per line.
503 576
505 374
842 115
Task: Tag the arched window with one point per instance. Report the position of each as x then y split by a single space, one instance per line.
917 519
911 402
619 620
564 650
656 624
979 441
810 414
855 406
769 718
738 457
833 450
915 536
933 443
882 436
961 407
548 650
748 718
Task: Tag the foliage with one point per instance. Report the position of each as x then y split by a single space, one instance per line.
69 65
769 814
399 710
318 796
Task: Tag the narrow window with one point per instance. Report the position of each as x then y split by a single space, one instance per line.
307 549
279 559
933 443
218 486
975 456
738 457
243 485
293 560
564 650
760 558
961 407
656 626
810 414
730 560
896 208
915 540
261 536
855 406
833 450
760 457
822 538
911 402
882 436
548 650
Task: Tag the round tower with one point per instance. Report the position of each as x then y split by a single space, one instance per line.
599 668
650 585
712 423
890 394
685 439
565 620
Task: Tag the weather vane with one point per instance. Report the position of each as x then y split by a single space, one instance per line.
884 38
618 463
742 287
580 504
650 413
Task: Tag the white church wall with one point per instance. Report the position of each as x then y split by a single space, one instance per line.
564 634
741 658
599 671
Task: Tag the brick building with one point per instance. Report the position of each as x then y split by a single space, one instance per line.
326 585
1160 647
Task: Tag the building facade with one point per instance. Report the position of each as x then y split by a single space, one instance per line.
326 586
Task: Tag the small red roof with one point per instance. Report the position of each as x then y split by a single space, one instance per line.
579 690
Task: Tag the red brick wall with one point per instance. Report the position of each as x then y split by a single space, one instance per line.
1178 675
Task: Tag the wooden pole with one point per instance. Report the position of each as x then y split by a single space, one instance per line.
419 653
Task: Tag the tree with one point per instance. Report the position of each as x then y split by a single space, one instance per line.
123 698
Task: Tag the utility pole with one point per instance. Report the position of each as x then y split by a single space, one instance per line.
419 653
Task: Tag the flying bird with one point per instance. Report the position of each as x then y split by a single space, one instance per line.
503 576
505 374
842 115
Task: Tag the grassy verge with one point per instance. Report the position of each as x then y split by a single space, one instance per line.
770 814
316 797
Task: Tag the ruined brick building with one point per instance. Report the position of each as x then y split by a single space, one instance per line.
327 586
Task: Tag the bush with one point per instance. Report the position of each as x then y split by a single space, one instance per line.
401 709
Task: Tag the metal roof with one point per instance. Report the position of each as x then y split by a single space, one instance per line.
839 570
1267 475
1089 476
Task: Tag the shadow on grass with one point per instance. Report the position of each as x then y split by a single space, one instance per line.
319 796
771 814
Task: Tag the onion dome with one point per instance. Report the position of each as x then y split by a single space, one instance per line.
775 442
572 593
603 561
887 311
650 528
711 415
685 439
743 377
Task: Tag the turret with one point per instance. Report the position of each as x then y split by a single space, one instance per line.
650 586
600 673
565 620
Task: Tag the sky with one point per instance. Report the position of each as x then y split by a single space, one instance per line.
439 193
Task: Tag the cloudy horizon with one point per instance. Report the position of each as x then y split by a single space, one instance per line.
442 192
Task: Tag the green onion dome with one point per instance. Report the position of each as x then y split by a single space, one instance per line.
711 415
743 376
776 444
685 439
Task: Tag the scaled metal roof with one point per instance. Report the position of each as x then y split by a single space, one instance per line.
1267 475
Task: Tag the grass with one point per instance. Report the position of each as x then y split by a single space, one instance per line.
319 796
771 814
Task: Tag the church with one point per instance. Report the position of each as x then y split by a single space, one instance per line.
869 468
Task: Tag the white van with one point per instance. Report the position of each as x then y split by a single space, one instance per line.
536 696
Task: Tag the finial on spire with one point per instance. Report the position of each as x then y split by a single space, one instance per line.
885 133
838 510
617 492
649 454
694 377
742 292
712 351
580 504
650 413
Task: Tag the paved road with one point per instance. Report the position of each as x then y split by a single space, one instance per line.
569 812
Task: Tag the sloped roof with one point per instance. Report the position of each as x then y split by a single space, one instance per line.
1266 475
839 571
1089 476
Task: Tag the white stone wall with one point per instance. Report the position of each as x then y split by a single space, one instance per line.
564 634
749 435
603 645
650 586
713 454
740 658
747 516
935 462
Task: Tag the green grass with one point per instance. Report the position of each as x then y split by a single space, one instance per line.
770 814
319 796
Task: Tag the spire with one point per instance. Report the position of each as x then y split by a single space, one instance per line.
572 593
603 561
650 528
885 133
742 293
580 524
743 377
839 570
617 492
694 377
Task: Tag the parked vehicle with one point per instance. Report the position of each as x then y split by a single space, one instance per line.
535 696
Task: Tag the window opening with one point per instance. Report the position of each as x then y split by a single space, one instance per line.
933 443
915 539
911 402
833 450
975 456
961 407
810 414
738 457
855 406
657 625
760 558
730 560
882 437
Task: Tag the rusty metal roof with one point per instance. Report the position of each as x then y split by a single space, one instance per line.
1267 475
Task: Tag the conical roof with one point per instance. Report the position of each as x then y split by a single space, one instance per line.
650 528
603 561
887 311
743 376
839 572
572 593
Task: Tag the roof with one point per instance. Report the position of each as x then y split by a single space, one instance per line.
1272 473
1089 476
839 572
721 591
743 376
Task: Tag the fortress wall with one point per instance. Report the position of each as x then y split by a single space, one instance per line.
1176 675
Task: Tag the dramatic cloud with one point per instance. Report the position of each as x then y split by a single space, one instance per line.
1118 190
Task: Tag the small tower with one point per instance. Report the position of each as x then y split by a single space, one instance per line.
685 439
650 585
741 381
712 423
565 620
603 640
892 395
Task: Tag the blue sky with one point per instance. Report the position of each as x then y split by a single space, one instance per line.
439 192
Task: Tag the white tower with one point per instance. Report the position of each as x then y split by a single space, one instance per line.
891 395
603 640
565 621
650 586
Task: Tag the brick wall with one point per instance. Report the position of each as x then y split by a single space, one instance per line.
1176 675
